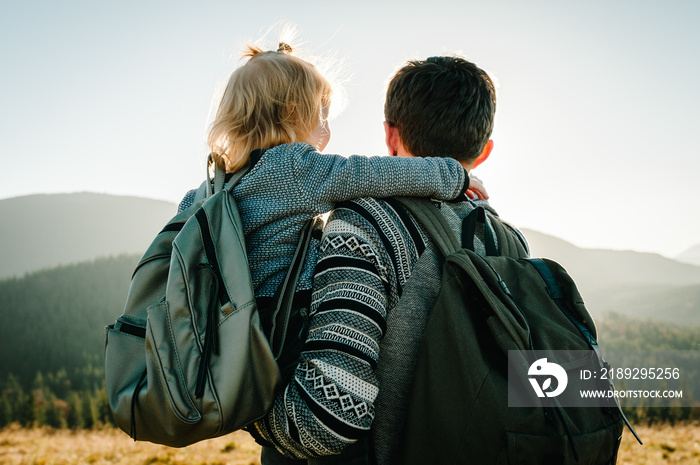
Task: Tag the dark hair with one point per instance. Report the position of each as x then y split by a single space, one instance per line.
442 106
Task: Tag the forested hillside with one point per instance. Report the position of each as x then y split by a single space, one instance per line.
620 332
635 336
52 342
54 319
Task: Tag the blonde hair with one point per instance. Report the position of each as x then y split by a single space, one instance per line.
274 98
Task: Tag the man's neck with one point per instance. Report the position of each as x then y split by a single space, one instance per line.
402 152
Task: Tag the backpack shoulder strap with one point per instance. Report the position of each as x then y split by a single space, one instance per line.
469 228
219 182
284 297
510 242
433 221
219 176
231 183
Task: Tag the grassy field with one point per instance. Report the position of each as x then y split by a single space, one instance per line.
679 444
111 446
662 445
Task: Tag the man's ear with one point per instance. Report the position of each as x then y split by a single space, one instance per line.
484 154
392 138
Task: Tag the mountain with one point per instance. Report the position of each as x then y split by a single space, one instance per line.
692 255
677 304
631 283
46 230
601 267
43 231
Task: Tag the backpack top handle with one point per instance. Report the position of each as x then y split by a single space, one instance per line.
469 224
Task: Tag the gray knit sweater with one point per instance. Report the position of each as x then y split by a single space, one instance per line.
293 182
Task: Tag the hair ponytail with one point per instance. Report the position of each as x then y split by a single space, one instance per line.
284 48
251 50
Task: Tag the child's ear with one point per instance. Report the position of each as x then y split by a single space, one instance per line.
391 138
484 154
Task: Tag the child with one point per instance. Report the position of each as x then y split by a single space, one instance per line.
273 117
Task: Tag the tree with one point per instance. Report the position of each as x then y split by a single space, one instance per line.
5 410
15 397
53 413
89 411
60 384
26 411
103 411
74 418
38 383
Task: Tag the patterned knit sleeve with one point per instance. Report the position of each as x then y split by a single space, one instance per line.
329 403
327 179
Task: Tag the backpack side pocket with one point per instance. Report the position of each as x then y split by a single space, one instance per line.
124 362
165 363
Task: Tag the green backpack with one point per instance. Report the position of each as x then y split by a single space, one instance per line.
188 360
487 306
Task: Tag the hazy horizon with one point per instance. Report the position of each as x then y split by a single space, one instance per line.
139 221
597 102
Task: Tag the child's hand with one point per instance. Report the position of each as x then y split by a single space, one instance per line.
476 189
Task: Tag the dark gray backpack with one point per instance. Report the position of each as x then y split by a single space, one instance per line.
188 360
487 306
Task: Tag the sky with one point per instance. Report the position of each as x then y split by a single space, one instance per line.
595 134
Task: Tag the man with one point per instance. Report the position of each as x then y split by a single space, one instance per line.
346 383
